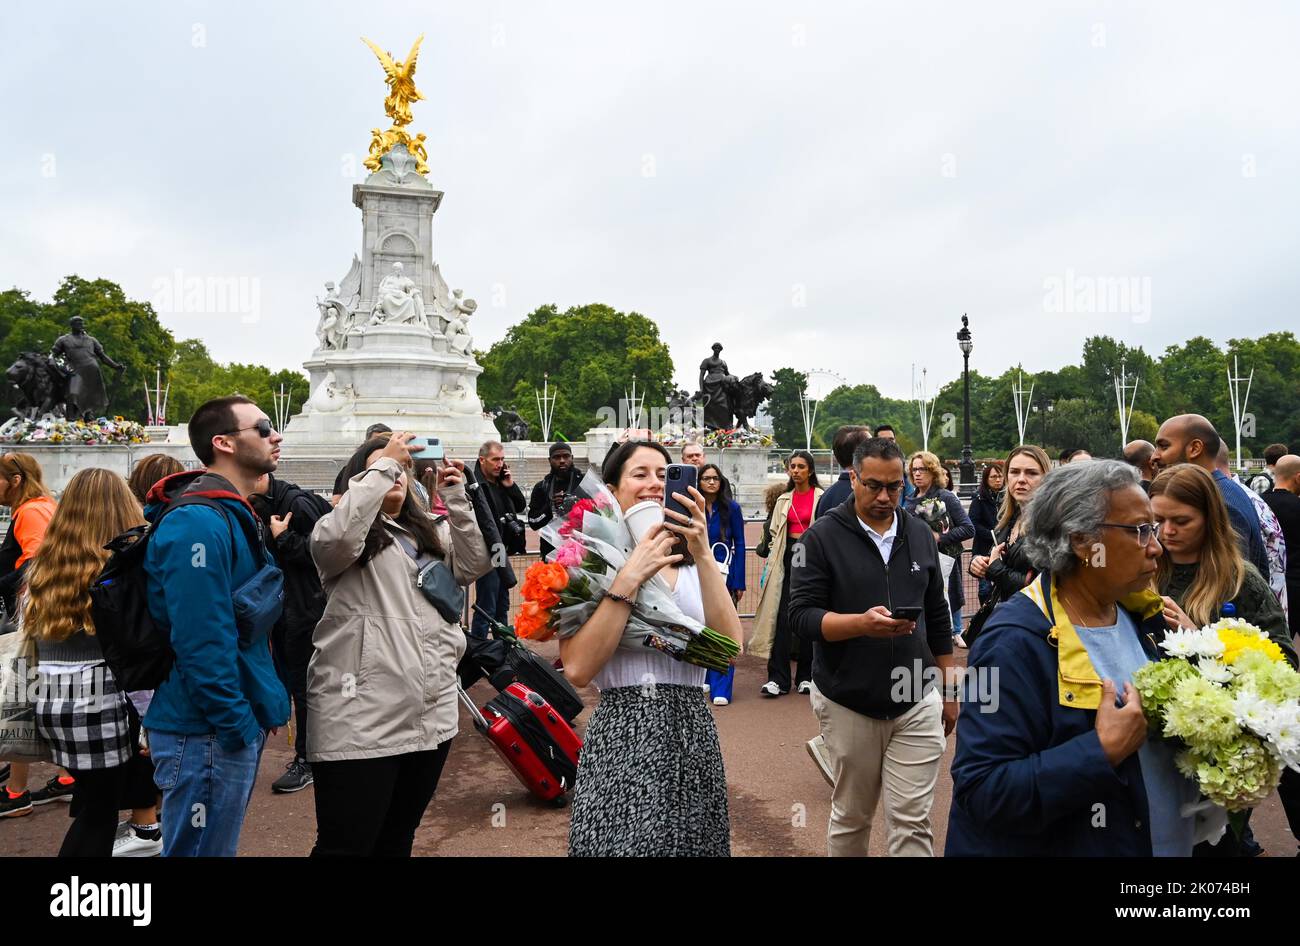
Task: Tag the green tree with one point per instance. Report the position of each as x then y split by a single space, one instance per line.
785 407
591 353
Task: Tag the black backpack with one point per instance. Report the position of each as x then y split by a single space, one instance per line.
136 648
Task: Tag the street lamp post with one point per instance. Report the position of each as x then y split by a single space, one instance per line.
967 465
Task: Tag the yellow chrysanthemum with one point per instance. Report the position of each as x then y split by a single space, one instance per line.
1236 643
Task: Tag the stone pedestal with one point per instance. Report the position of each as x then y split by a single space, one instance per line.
407 375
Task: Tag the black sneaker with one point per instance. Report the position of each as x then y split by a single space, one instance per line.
297 776
54 790
11 807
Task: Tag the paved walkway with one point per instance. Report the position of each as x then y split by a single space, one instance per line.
779 802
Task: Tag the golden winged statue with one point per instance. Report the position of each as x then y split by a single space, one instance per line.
400 78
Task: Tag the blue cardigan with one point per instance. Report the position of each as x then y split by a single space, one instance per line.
1029 777
735 540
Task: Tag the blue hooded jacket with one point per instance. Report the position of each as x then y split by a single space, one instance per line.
1029 776
221 682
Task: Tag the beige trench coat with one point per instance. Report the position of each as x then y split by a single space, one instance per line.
382 676
769 602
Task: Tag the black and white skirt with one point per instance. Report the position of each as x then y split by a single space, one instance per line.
650 778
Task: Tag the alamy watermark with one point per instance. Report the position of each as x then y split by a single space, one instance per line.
1098 295
180 294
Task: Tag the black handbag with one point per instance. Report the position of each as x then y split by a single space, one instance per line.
436 582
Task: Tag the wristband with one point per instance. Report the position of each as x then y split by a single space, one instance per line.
618 597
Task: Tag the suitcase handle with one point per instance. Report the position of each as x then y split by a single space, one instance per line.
480 721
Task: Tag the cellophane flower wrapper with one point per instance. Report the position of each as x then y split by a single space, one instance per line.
596 524
1228 698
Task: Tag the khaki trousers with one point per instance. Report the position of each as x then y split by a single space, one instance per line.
900 756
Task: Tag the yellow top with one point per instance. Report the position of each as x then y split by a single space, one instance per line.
1078 683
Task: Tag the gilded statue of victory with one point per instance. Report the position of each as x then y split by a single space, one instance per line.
400 78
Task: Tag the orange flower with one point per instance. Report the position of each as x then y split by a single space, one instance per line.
532 621
552 576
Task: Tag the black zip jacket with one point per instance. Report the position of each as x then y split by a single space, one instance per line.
504 501
843 572
1012 571
304 601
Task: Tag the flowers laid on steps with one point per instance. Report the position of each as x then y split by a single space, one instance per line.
97 432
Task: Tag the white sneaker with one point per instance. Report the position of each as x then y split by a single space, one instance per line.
959 642
129 844
770 689
805 687
720 701
817 749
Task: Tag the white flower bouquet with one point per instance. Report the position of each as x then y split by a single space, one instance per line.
1227 695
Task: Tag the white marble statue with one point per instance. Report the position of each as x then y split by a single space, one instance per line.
338 309
398 301
457 330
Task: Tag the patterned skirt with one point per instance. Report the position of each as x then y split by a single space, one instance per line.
84 718
650 778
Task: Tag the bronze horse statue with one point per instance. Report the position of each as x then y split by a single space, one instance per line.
41 383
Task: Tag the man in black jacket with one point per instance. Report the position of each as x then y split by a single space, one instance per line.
846 441
876 678
289 513
506 501
555 495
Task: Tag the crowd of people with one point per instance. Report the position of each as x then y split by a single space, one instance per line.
278 602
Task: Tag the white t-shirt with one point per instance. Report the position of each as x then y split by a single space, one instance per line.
628 667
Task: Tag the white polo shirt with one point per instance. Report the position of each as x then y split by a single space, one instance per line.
883 542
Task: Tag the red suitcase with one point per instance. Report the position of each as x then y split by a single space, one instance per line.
533 739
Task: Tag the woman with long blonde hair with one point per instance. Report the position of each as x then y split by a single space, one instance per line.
89 724
1006 566
1202 568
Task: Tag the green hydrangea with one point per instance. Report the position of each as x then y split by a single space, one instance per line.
1155 683
1200 713
1237 775
1274 680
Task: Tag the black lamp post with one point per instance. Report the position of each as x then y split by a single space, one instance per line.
966 485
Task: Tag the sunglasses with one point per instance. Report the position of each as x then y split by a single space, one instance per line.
263 428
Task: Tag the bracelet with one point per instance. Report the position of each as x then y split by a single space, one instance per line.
630 602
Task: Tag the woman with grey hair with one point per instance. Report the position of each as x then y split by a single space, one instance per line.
1054 758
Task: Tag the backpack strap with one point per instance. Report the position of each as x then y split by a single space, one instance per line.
251 531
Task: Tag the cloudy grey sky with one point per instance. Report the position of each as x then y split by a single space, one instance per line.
819 185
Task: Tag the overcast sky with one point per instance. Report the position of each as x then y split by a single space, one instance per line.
817 185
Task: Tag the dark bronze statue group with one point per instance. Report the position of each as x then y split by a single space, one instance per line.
66 383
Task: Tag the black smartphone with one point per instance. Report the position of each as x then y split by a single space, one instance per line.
905 614
680 476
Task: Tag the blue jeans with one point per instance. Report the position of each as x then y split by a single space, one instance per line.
205 792
494 598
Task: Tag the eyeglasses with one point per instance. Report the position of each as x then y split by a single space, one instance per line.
874 487
710 479
1145 532
263 428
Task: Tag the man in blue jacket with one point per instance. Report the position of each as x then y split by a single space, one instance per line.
1190 438
209 719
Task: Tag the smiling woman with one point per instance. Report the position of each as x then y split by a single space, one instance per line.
650 777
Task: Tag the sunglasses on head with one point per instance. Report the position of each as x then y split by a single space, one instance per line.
263 428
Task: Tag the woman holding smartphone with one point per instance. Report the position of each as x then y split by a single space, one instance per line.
650 776
381 687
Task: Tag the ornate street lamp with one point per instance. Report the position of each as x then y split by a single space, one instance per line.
966 486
